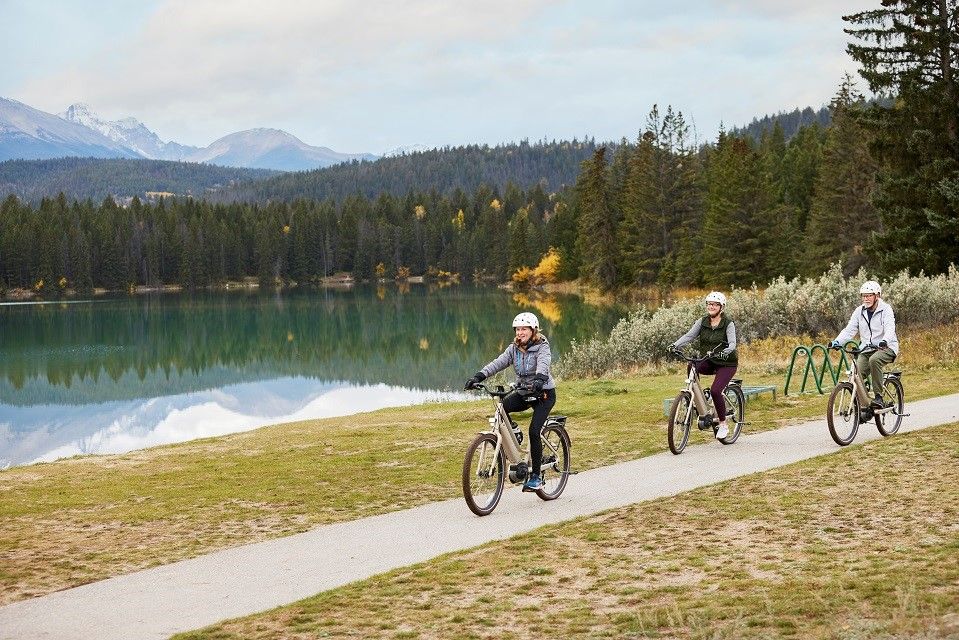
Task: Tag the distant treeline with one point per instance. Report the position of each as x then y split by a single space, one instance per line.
790 122
197 243
550 164
97 178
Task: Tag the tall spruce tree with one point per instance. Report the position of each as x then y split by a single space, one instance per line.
800 168
742 223
661 198
910 48
596 243
842 217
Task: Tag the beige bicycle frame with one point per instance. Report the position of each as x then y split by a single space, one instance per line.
859 386
500 427
703 406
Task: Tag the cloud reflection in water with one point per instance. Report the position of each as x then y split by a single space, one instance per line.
42 433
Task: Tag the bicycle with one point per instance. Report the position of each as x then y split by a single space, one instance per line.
485 465
849 402
693 403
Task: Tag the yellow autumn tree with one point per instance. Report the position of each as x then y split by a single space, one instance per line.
546 271
548 268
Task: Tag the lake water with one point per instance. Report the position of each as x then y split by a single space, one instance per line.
110 375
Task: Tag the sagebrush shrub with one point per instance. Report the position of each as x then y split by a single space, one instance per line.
809 307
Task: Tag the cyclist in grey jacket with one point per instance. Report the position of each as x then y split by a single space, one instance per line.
530 356
875 323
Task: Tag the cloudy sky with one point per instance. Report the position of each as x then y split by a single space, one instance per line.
366 76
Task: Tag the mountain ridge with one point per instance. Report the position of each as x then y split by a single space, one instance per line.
42 135
27 133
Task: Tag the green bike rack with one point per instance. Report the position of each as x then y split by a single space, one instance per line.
817 375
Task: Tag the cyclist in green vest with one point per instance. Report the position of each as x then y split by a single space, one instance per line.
713 330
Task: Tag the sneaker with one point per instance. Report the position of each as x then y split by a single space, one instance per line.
534 483
878 403
722 431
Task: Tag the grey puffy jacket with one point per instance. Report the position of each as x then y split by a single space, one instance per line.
536 360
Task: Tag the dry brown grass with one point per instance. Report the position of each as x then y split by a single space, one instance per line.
861 544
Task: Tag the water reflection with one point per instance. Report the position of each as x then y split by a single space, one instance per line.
48 432
121 374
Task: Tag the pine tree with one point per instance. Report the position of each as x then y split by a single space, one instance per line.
842 217
661 200
742 223
800 169
519 251
641 246
596 243
910 48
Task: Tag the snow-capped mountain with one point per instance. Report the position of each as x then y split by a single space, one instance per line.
129 132
32 134
407 150
271 149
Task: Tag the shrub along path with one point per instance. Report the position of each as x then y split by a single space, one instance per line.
190 594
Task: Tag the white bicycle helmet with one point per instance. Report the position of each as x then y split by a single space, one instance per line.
716 296
870 286
526 319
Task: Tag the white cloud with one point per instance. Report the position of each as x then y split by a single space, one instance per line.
199 64
373 75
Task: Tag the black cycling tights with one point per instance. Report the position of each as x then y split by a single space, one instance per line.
541 408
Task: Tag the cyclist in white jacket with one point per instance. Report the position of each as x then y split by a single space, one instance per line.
875 323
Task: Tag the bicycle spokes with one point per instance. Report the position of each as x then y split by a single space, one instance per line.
555 465
843 414
483 474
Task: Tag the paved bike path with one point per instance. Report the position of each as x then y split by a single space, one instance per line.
186 595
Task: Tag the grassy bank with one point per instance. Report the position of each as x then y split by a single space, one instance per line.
853 545
84 519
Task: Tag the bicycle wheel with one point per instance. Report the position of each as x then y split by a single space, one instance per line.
556 455
483 475
681 416
842 414
735 412
888 423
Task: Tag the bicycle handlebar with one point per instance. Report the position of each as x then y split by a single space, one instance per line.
709 354
855 351
499 391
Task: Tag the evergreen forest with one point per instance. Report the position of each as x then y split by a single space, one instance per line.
876 187
97 178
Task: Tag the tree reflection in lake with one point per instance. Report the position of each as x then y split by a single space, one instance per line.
116 374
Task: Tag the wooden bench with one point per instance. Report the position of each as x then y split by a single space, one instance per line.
753 390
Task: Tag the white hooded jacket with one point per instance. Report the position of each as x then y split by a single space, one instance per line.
872 331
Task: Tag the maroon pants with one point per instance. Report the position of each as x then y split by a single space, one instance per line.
723 375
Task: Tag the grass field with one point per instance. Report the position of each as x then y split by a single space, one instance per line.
860 544
76 521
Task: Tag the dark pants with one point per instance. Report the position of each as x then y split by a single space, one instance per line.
515 402
723 375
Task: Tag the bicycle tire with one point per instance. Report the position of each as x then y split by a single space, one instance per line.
678 433
886 426
475 485
555 443
737 404
843 420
